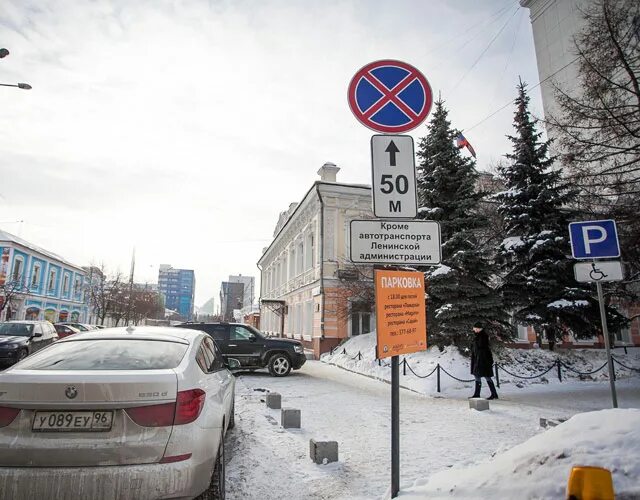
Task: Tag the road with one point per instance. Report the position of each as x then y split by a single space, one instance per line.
269 462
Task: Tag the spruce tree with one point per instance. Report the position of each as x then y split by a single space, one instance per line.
538 283
458 291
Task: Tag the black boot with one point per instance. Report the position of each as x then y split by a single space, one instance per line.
492 388
476 393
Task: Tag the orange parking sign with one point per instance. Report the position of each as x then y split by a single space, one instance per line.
401 322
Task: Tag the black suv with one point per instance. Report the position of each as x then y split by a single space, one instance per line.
252 348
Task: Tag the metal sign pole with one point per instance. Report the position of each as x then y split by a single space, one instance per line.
605 333
395 426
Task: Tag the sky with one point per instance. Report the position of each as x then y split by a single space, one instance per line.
183 128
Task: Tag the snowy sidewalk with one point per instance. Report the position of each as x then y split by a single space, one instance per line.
268 462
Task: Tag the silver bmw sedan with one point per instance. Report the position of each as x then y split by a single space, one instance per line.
135 413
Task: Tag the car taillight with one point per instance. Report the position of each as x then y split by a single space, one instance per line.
175 458
8 415
189 405
185 410
154 415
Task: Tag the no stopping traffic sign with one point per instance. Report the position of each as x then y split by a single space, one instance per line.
390 96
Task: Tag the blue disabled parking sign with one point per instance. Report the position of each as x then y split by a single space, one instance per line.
596 239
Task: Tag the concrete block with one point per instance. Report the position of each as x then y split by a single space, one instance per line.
546 423
290 418
478 404
274 401
323 452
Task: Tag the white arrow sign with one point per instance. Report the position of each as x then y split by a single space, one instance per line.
610 270
393 176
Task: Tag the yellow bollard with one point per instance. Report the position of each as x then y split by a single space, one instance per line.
590 483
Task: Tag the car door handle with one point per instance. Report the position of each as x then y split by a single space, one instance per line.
232 345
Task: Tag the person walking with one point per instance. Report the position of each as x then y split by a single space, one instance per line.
482 361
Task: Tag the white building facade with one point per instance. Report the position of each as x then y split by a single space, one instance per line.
299 269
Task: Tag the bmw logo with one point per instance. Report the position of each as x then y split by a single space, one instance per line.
71 392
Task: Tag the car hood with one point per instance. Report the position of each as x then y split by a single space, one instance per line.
278 342
13 339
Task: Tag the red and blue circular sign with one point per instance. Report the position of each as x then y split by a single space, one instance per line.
390 96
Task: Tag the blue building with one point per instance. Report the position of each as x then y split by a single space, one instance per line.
36 284
178 287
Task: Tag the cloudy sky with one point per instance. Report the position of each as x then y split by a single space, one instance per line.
183 128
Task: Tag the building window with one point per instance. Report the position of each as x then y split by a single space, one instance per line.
65 284
360 319
76 286
52 280
292 263
310 252
308 318
18 265
300 258
35 276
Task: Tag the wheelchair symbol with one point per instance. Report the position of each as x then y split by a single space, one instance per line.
595 274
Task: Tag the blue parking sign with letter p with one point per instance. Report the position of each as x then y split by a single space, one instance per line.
596 239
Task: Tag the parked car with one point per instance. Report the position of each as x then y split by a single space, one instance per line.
83 327
143 410
18 339
65 330
252 348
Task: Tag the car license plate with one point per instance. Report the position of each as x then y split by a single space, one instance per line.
70 421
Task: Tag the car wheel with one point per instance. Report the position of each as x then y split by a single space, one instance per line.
22 354
279 365
232 417
216 490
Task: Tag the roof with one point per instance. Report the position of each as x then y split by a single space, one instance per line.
11 238
314 186
181 335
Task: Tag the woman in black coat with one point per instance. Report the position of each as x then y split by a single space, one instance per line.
482 361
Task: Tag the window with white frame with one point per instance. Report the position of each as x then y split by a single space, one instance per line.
298 319
35 275
308 317
361 319
18 266
292 262
283 270
76 286
52 280
300 258
523 332
65 284
310 252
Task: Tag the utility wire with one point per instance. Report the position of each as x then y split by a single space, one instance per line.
513 100
486 48
490 20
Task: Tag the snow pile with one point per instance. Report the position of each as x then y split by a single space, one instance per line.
358 355
540 467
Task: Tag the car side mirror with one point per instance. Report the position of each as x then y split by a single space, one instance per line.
252 338
232 363
37 334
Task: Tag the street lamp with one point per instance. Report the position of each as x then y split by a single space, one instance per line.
4 53
24 86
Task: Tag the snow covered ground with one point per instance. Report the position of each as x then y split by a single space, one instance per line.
438 433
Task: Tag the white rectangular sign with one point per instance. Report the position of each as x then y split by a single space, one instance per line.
609 270
393 176
395 242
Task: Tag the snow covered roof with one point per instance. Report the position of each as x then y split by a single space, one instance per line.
11 238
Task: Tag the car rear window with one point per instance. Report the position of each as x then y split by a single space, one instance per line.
21 329
107 354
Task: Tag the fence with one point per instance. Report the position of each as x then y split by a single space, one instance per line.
439 369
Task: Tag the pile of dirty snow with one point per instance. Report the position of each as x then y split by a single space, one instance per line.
540 467
358 355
